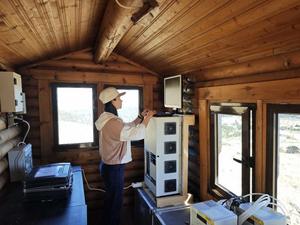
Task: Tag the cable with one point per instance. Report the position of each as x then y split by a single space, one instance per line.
98 189
28 128
262 201
126 7
88 185
278 203
273 198
127 187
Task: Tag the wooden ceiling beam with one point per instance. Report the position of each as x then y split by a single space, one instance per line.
264 65
115 24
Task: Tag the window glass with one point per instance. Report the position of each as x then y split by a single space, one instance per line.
232 140
229 173
131 104
288 158
75 115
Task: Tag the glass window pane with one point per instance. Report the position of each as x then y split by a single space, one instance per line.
130 106
288 180
75 115
229 172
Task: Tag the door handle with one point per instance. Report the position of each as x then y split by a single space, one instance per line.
249 162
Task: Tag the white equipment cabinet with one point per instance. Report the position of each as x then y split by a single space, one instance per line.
12 99
163 155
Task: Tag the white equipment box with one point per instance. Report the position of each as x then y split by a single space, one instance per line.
11 95
20 162
163 155
209 212
265 216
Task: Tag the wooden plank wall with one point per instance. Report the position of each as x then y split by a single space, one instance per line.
78 67
284 90
9 138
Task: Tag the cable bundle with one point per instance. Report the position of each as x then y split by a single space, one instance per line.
262 201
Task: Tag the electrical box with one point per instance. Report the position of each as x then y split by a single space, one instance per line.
20 162
163 155
11 95
210 212
265 215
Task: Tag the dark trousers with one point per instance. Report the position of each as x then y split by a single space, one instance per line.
113 176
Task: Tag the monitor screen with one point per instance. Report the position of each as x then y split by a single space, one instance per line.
173 92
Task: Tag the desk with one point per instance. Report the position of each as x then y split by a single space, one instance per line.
71 211
146 213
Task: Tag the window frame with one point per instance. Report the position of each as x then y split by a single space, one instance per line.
131 87
139 143
88 145
272 142
232 109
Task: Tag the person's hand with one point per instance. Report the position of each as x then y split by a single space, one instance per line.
144 113
148 115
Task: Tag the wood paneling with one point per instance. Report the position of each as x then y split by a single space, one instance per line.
177 37
204 148
79 68
191 35
261 93
280 75
265 65
34 30
271 90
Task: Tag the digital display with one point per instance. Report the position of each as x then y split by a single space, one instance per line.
173 92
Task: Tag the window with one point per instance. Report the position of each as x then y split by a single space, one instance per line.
283 157
232 141
74 111
131 107
132 103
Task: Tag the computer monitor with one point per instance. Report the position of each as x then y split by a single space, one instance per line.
173 92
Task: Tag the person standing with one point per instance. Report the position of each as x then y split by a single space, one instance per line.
115 149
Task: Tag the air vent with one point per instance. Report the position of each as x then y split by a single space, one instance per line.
170 185
170 147
170 166
170 128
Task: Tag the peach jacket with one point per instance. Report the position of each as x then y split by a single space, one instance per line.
115 137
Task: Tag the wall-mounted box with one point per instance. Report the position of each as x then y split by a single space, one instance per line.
11 95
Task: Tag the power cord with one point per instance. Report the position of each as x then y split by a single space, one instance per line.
262 201
28 129
126 7
275 202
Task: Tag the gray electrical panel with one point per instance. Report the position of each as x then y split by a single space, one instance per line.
163 155
20 162
12 99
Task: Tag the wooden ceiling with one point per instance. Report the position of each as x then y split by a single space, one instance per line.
191 35
33 30
183 36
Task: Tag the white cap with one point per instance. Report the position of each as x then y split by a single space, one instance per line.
108 94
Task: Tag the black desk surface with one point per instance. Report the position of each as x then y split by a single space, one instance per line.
73 211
